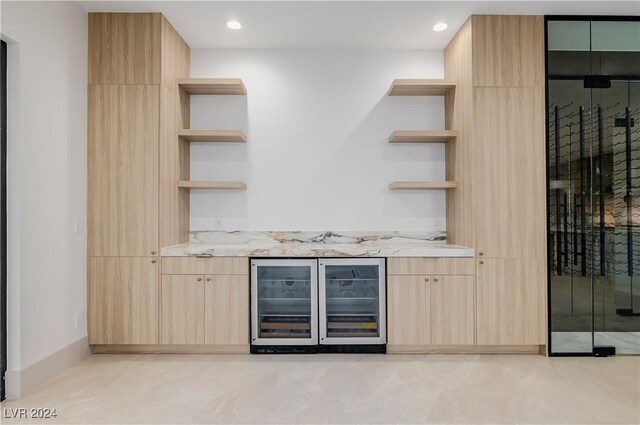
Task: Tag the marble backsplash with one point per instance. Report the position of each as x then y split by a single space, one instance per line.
216 237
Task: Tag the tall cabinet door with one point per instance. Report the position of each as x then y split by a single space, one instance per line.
123 300
510 189
408 301
226 310
182 318
511 301
452 310
123 170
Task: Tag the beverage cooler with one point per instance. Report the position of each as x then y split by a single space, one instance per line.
311 305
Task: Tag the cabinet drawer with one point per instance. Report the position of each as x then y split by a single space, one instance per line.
214 265
424 266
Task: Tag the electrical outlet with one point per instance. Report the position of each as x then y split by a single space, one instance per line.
80 319
78 225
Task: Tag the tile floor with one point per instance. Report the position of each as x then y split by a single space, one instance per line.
331 389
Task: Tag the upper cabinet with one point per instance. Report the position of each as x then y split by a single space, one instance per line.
508 51
124 48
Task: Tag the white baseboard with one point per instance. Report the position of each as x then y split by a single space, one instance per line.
21 382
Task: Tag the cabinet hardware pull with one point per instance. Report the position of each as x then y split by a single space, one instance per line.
435 280
153 261
208 279
153 253
481 262
426 279
481 253
199 279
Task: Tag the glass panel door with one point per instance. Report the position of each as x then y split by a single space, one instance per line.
594 181
352 300
616 298
284 302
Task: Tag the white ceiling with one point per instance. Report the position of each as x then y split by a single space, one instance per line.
341 24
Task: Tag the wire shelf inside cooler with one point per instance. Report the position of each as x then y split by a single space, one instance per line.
352 325
285 326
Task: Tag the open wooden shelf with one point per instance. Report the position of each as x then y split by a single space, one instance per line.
188 184
422 185
212 136
217 86
418 136
417 87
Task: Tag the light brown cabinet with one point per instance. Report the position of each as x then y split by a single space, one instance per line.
509 188
511 301
124 48
498 160
123 300
430 310
452 310
508 51
408 310
182 309
214 265
204 309
226 299
123 170
429 265
134 111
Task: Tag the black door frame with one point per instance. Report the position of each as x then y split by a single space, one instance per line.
3 217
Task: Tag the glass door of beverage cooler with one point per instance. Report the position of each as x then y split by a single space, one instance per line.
352 301
284 302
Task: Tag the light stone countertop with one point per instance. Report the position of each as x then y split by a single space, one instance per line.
317 244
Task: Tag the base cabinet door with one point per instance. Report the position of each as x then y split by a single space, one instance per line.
408 302
182 318
452 310
511 301
123 300
226 310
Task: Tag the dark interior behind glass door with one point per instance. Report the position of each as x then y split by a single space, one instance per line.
284 302
352 301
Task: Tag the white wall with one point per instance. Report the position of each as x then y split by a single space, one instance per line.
317 156
46 176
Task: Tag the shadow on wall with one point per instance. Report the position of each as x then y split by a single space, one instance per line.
420 161
219 161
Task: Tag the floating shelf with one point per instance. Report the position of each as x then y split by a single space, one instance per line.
411 136
188 184
216 86
417 87
212 136
422 185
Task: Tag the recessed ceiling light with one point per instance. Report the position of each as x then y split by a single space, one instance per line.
234 25
440 26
